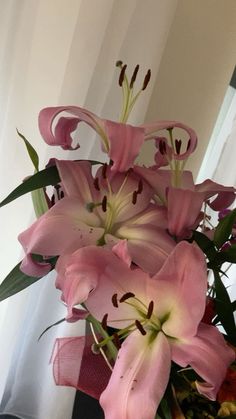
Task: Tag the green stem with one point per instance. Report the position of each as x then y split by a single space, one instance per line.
98 327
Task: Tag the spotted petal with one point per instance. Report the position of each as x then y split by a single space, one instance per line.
139 378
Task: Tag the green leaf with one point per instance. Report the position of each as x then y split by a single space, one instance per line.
224 307
205 244
49 327
15 282
224 229
228 255
41 179
31 151
39 202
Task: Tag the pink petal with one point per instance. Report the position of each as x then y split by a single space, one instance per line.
148 246
139 378
125 142
225 194
61 135
61 229
77 180
101 275
119 189
77 314
63 130
180 290
121 250
208 355
33 268
160 125
159 180
184 207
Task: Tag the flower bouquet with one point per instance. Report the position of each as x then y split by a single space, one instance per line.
137 257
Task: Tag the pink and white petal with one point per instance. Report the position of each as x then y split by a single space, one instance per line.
148 246
123 187
159 180
106 275
181 290
125 142
225 194
184 207
208 354
46 119
77 180
60 229
33 268
139 378
155 215
160 125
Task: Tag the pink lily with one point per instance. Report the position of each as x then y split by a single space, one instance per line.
122 142
184 202
100 210
160 318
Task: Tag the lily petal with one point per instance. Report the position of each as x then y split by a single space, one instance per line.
139 378
148 246
160 125
61 229
32 268
208 355
77 180
125 144
225 194
184 270
184 207
122 142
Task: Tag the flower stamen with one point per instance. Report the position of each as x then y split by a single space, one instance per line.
126 296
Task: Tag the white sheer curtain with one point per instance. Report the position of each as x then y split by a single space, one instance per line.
57 52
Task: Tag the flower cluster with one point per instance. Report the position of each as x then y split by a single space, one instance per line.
133 246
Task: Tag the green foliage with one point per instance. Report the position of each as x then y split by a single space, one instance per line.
15 282
31 151
41 179
224 308
224 229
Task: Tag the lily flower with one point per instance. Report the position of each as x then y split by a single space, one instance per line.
184 202
100 210
158 320
122 142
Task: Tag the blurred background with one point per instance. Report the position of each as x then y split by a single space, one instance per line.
58 52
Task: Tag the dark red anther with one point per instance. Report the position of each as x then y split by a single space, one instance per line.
162 147
114 300
122 74
140 327
134 197
117 340
178 144
104 171
96 184
104 203
134 75
146 79
140 187
126 296
150 309
104 321
188 145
